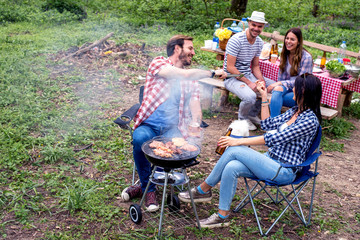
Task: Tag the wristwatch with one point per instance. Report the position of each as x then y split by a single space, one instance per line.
212 73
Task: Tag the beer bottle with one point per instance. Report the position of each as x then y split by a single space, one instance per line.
323 61
271 51
220 150
276 51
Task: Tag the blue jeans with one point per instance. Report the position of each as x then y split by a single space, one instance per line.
242 161
279 99
249 105
142 134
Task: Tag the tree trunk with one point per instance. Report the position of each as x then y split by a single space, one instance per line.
315 10
238 7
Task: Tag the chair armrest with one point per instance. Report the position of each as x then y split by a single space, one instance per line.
127 116
307 162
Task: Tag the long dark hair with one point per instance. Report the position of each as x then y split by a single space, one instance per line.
294 70
308 93
176 40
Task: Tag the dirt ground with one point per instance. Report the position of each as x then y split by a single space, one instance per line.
336 205
337 198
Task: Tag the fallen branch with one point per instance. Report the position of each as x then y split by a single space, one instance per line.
262 204
96 43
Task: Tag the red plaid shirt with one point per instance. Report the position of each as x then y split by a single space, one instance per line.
157 90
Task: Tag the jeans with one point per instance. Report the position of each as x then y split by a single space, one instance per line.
142 134
279 99
242 161
249 106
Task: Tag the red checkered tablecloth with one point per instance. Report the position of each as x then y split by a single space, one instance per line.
331 87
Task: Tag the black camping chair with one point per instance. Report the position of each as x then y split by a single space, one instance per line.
303 178
124 122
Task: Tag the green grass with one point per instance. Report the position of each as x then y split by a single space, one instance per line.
44 116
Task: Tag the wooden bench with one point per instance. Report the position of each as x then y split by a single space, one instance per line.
209 84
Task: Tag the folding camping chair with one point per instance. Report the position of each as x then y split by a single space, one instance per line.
302 179
124 122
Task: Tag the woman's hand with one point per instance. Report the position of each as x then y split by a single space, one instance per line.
272 86
260 85
228 141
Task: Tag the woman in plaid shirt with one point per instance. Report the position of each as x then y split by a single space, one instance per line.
295 60
292 134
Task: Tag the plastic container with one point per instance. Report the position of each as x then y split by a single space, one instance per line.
215 43
244 20
216 27
342 50
346 61
234 25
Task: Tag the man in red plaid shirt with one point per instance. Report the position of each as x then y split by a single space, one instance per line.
170 108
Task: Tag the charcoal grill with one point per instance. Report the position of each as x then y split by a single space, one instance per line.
170 176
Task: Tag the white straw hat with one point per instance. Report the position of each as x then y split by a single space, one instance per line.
258 17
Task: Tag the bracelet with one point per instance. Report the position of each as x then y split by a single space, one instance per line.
267 101
264 104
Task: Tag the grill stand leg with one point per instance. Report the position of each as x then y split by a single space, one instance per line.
163 203
192 200
147 186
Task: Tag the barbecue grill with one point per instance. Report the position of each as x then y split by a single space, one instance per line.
170 176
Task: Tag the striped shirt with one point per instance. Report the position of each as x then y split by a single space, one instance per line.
306 66
292 143
238 46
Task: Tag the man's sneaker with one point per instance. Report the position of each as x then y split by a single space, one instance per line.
131 192
198 197
252 127
255 120
151 204
214 221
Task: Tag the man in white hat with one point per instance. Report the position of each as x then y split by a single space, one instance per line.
243 50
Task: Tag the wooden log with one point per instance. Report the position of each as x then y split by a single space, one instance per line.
96 43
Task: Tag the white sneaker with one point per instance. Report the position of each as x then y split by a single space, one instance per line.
252 127
255 120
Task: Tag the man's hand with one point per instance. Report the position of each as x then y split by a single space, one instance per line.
252 86
220 74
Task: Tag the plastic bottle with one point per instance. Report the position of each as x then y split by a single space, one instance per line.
246 24
220 150
342 50
234 25
215 43
216 27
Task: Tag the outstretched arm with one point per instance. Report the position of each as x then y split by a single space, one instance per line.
174 73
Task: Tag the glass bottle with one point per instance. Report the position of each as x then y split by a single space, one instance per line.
220 150
271 51
276 51
323 61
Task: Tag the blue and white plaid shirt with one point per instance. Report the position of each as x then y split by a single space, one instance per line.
291 144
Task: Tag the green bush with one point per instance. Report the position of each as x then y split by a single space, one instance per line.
65 5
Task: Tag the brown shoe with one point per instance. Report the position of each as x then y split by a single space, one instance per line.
131 192
214 221
151 204
198 197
